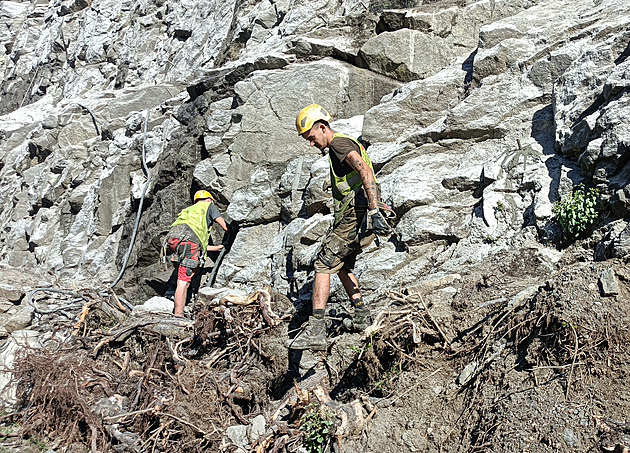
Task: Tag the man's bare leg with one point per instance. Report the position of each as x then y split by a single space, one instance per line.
361 316
314 335
350 284
321 291
181 291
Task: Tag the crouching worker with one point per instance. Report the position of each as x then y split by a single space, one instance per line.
357 204
187 242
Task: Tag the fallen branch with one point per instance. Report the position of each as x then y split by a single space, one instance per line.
184 422
264 300
127 414
575 354
435 323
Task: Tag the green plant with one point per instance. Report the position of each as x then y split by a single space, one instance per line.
39 444
387 378
7 429
577 212
362 349
317 428
500 207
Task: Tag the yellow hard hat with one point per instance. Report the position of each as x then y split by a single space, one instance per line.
308 116
202 195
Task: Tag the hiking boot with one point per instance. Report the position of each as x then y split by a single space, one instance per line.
360 319
313 336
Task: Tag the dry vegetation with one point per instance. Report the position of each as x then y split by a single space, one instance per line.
156 383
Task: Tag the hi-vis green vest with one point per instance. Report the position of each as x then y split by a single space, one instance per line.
195 217
345 188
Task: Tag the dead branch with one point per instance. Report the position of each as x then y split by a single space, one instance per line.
436 324
264 300
128 414
184 422
575 354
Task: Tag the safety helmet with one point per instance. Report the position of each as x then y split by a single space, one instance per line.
308 116
202 195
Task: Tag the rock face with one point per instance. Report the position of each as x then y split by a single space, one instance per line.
478 117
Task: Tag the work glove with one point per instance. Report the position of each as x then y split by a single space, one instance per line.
377 223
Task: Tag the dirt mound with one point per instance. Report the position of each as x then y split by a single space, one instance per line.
539 368
518 364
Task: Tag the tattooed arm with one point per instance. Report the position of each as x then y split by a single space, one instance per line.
367 177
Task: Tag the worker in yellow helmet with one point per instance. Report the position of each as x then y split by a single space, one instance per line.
356 195
187 242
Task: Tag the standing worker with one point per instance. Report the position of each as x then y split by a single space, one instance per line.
356 196
187 242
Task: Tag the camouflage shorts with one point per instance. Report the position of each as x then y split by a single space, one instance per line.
343 243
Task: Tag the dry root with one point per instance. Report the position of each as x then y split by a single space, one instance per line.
153 383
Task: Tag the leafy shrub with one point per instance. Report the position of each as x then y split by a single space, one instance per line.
577 213
318 429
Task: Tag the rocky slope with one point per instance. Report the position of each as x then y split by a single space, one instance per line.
479 115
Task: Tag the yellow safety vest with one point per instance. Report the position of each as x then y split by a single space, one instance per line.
195 217
345 188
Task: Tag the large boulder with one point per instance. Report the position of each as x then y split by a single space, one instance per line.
415 104
271 100
406 54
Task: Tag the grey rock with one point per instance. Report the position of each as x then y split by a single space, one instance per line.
408 188
317 196
572 98
258 202
134 122
467 373
498 59
5 306
155 304
424 224
221 164
237 435
205 174
491 35
414 103
18 320
259 104
570 438
50 122
213 144
250 257
257 428
11 293
621 243
608 283
406 54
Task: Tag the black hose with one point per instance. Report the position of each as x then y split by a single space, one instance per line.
146 186
227 244
216 267
29 300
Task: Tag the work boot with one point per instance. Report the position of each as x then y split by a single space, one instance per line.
313 336
360 319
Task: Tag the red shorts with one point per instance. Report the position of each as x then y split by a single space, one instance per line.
190 250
